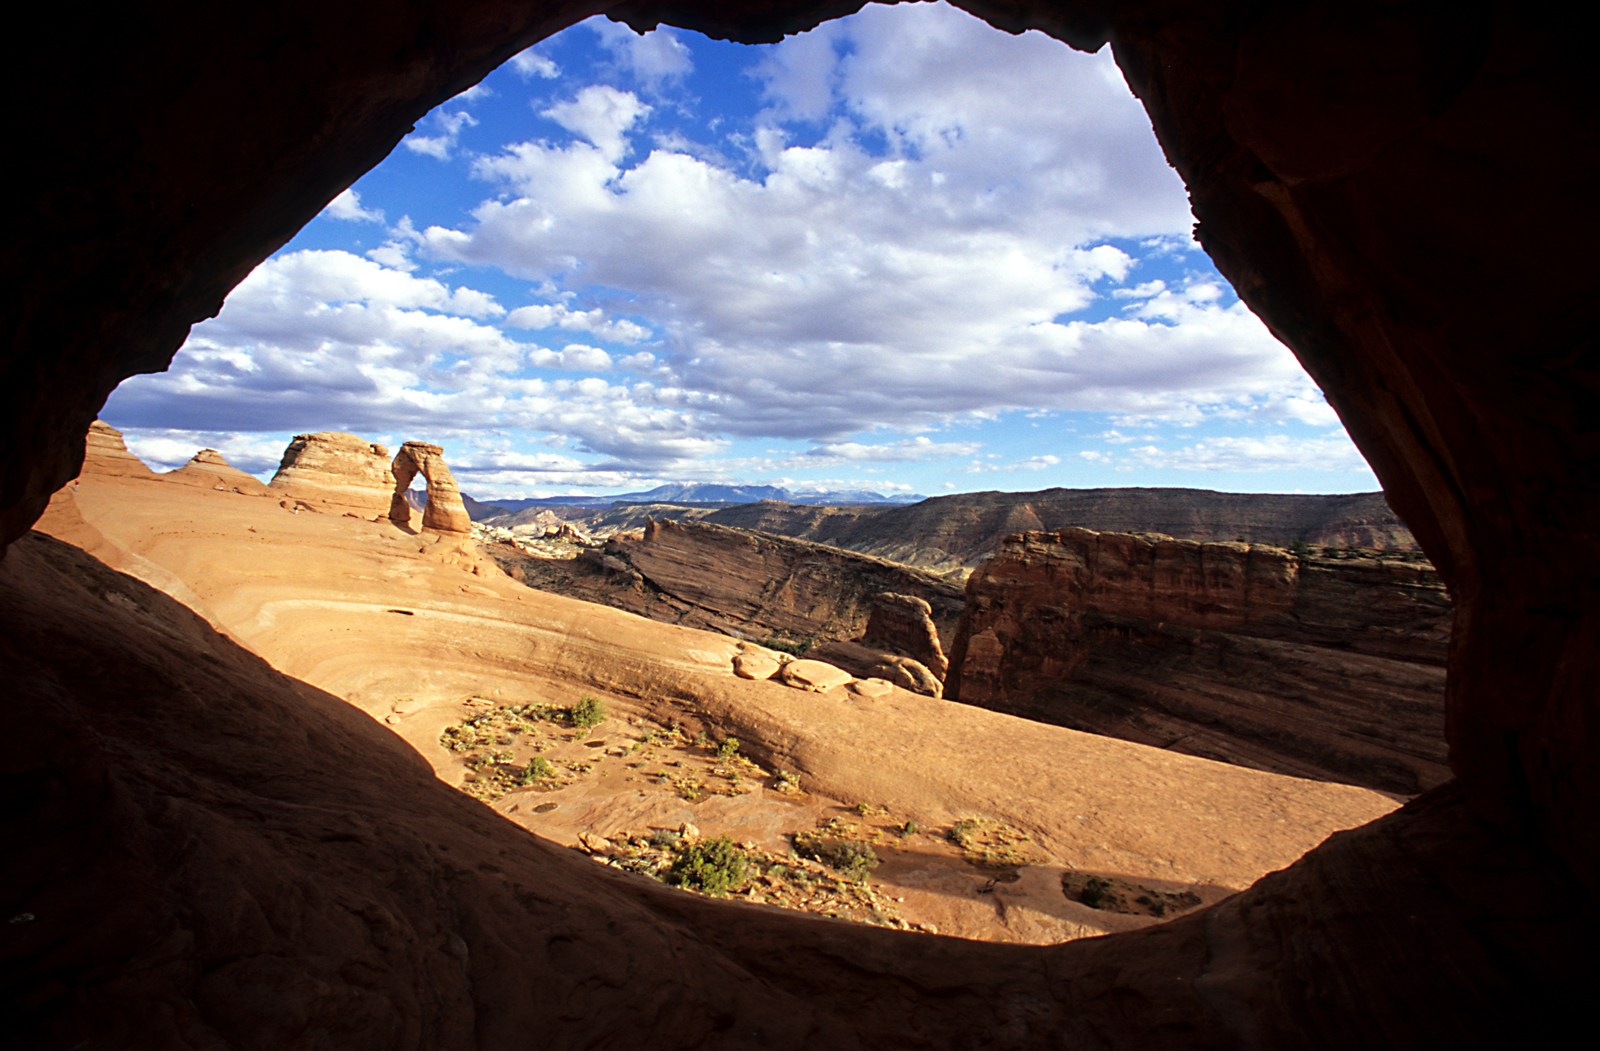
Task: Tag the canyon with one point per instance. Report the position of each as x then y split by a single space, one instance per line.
1312 666
205 851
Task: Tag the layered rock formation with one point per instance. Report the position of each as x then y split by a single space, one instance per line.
952 534
341 470
1323 668
736 581
211 469
106 453
444 512
1403 193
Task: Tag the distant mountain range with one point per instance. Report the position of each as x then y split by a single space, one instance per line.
705 493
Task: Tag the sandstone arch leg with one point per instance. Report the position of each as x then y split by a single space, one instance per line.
446 513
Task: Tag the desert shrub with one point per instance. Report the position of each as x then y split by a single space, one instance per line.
728 748
850 856
1094 892
1300 550
587 713
793 649
538 768
712 866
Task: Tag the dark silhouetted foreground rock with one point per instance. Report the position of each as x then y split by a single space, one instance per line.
1403 193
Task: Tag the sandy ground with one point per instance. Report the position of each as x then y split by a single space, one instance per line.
423 635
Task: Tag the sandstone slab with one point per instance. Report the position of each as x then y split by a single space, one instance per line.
750 665
814 676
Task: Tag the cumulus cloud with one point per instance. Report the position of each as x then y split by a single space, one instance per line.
347 206
531 63
448 126
602 115
846 285
652 57
892 245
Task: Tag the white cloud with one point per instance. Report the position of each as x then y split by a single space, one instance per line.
915 449
841 289
602 115
1272 453
530 64
347 206
653 57
449 126
559 315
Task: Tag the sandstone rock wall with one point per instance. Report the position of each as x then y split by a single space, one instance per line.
1327 669
778 586
736 581
338 469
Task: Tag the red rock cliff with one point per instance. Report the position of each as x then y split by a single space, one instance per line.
1325 669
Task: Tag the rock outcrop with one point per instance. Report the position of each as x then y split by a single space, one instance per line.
211 469
444 511
867 662
814 676
1319 668
736 581
341 470
106 453
904 624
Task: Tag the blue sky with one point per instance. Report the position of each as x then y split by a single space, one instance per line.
903 252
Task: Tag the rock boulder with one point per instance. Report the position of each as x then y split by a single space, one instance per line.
814 676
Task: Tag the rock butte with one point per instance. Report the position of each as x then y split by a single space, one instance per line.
343 471
1403 194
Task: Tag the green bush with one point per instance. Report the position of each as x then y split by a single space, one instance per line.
853 857
539 768
587 713
794 649
728 748
712 866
